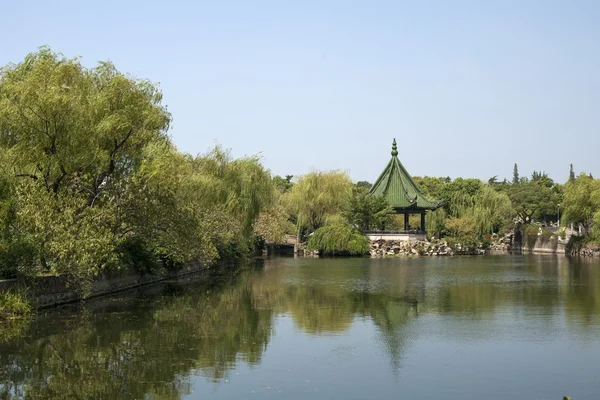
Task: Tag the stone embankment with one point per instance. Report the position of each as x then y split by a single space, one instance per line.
52 291
589 251
397 248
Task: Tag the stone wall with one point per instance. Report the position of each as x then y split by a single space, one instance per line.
589 250
515 241
51 291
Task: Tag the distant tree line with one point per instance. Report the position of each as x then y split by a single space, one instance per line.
335 209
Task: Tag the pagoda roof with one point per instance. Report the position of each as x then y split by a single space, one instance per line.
397 186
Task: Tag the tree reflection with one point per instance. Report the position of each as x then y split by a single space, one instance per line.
149 349
148 345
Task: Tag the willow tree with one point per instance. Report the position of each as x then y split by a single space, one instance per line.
581 204
318 198
73 136
492 211
338 238
234 191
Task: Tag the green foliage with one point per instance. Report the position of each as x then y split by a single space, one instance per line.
547 235
435 223
489 209
581 204
73 137
134 254
575 244
463 229
516 179
14 304
317 198
364 185
534 199
571 173
338 239
530 235
273 224
368 212
492 211
89 179
17 255
283 185
431 186
459 195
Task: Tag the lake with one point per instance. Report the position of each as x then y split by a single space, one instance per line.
487 327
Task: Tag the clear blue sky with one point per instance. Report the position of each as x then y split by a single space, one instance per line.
468 88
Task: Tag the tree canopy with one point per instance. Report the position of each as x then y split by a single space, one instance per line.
88 174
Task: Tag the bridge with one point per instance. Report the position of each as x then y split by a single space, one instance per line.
286 246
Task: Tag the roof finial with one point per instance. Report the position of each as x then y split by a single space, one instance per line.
394 148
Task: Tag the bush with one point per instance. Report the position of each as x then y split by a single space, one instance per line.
486 241
530 235
575 244
338 239
17 258
547 235
464 230
14 304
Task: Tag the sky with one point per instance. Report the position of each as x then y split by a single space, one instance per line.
467 88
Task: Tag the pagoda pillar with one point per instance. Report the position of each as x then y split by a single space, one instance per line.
423 222
406 221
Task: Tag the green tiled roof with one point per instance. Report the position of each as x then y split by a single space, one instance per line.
398 188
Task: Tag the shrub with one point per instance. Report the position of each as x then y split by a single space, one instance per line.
17 258
575 244
464 230
338 239
530 235
14 304
546 235
486 241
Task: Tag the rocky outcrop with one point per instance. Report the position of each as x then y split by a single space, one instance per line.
589 250
397 248
500 244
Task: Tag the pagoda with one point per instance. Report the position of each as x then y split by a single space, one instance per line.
404 197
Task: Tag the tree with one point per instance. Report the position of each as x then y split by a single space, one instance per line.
492 211
515 174
93 181
273 224
581 204
318 198
283 185
338 238
541 178
533 200
462 229
431 186
367 212
17 255
364 184
459 195
73 137
571 174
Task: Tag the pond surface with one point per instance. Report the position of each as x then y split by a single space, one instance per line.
493 327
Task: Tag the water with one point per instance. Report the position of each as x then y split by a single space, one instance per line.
501 327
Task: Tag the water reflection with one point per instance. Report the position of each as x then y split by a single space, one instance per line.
149 344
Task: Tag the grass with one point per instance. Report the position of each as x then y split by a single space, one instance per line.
14 305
